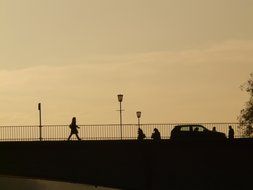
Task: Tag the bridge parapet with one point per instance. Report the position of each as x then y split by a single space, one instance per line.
100 132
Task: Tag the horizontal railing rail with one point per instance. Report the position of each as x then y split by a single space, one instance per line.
101 132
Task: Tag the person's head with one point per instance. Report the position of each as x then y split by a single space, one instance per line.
156 131
230 127
74 120
214 128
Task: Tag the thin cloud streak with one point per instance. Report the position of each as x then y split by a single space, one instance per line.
167 86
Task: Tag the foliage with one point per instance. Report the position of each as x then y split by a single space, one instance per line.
246 115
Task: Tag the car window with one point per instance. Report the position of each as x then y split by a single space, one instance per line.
185 128
198 128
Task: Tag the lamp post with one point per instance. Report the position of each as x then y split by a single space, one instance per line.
138 113
120 99
40 126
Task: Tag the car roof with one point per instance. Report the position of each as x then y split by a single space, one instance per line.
190 125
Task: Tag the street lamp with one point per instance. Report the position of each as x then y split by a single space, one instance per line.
120 99
138 113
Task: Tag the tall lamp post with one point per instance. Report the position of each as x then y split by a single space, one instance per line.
120 99
138 114
40 126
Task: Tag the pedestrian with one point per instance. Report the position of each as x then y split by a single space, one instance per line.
156 136
74 128
231 132
141 135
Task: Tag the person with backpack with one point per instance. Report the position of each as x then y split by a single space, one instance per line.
156 136
141 135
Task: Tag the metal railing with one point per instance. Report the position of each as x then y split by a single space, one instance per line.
100 132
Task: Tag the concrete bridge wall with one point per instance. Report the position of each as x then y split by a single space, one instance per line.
132 164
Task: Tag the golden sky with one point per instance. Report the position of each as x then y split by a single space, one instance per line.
174 60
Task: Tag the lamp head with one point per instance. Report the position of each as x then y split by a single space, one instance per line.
120 97
138 113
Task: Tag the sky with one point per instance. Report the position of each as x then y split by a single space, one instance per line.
174 60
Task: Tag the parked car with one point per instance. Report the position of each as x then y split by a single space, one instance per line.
198 132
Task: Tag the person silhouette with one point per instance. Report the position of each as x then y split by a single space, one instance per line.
231 132
156 135
73 128
214 129
141 135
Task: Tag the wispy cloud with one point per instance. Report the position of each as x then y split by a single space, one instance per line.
168 86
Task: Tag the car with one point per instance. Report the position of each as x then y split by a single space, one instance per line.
195 132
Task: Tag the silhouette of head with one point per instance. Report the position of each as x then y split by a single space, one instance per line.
73 120
230 127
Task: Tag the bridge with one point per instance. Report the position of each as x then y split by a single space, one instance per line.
103 159
100 132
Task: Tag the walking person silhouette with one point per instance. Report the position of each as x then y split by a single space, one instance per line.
231 133
73 128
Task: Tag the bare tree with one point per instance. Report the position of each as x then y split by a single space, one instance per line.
246 115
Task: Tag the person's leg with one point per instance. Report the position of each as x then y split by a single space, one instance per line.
78 137
69 136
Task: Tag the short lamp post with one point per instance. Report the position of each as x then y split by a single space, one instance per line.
120 99
40 125
138 114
